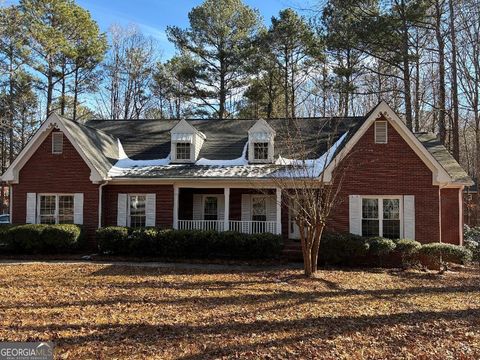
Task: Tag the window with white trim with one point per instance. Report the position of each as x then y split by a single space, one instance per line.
137 213
381 132
183 150
56 209
381 217
57 143
259 208
260 151
210 208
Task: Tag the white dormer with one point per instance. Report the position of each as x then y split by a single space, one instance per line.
261 143
186 142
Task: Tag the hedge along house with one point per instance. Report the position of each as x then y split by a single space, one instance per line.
220 175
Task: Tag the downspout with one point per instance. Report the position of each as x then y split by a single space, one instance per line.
100 206
10 202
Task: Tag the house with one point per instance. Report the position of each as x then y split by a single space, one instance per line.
219 175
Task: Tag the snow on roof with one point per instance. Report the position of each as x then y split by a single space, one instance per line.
239 167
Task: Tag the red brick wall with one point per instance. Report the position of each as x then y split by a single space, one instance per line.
389 169
164 200
451 208
45 172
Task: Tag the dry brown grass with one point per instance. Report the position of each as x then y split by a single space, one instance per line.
108 312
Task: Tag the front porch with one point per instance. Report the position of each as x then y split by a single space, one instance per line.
250 211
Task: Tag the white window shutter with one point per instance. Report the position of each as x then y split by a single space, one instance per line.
150 209
221 207
31 208
78 209
271 208
246 212
355 214
197 207
409 217
122 210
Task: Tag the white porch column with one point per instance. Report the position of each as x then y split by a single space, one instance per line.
279 211
226 211
175 206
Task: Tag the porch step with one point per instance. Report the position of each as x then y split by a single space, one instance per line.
292 250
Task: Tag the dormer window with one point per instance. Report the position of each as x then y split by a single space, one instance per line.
186 142
260 151
183 151
261 143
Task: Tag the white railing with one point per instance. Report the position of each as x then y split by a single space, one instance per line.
246 227
253 227
215 225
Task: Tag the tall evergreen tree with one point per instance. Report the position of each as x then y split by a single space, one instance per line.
220 40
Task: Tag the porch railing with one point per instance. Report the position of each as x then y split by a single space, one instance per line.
206 225
246 227
253 227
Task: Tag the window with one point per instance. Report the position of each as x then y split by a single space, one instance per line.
56 209
210 208
57 143
137 210
183 151
381 132
260 150
259 208
381 217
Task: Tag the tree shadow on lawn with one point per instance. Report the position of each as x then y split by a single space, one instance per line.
309 329
277 297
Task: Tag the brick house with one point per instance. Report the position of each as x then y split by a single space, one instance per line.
219 175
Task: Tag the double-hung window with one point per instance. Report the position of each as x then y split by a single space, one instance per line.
137 210
56 209
381 217
210 208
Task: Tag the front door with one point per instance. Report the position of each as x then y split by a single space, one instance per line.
294 232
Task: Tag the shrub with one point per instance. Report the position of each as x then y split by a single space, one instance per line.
61 238
472 241
188 243
26 239
113 239
407 249
5 235
380 247
342 249
434 254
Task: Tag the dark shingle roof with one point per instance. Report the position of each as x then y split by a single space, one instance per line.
225 139
444 158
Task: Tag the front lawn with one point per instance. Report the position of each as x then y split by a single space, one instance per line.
108 311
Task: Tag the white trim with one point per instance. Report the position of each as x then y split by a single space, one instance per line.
129 220
439 175
226 210
380 219
175 206
279 210
383 122
11 175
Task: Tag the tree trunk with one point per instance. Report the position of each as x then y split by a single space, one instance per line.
406 73
441 73
64 89
75 95
455 120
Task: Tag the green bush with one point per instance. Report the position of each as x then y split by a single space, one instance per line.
380 247
26 239
42 239
191 244
407 249
342 249
5 235
434 254
61 238
113 239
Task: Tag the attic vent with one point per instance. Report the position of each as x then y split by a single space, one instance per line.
381 133
57 143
